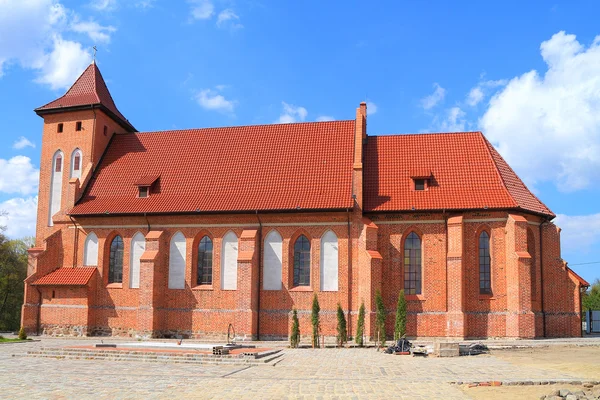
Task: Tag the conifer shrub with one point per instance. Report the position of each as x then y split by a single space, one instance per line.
314 317
295 335
22 334
400 325
360 326
342 336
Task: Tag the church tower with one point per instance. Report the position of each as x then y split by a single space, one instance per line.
77 128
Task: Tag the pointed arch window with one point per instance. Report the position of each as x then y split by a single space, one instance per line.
485 278
329 262
302 261
412 264
115 263
272 261
55 186
205 261
76 159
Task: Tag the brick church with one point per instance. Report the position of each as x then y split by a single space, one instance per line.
158 234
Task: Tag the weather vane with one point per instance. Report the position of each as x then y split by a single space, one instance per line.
95 50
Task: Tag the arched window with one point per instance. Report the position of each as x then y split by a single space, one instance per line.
55 186
205 261
115 265
485 273
302 262
329 262
76 159
412 264
272 261
229 255
90 250
177 262
531 251
138 246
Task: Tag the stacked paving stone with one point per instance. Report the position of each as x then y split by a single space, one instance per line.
590 391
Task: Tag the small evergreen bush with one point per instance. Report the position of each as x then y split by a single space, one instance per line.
314 317
400 326
295 335
342 336
22 334
360 326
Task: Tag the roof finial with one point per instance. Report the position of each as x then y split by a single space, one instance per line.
95 50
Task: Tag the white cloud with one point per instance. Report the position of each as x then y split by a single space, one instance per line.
433 99
31 36
211 100
18 175
325 118
64 64
20 216
548 126
104 5
475 96
579 233
22 142
371 108
145 3
453 120
96 32
201 9
291 114
228 18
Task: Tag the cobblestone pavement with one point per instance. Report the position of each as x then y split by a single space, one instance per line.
301 374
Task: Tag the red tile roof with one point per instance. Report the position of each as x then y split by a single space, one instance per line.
147 180
89 89
467 173
67 277
248 168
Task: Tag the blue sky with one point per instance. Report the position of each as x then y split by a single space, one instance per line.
525 73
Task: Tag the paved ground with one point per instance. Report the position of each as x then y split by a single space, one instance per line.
302 374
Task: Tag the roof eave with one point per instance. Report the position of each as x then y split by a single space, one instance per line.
55 110
446 210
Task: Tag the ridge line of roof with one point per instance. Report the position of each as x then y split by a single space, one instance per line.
486 145
240 126
426 134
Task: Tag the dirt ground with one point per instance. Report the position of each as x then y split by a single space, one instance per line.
579 361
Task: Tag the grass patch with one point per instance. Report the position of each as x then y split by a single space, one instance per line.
4 340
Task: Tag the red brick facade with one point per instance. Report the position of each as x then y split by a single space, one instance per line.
370 258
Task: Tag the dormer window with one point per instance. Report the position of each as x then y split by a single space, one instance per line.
421 179
146 184
144 191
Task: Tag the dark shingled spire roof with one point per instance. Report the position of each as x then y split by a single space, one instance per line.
89 90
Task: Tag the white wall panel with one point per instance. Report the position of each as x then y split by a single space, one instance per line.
329 262
90 250
138 246
229 255
177 262
272 262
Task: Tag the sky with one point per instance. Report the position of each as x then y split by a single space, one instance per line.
527 74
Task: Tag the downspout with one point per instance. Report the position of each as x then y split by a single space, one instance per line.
445 254
147 222
93 135
542 279
259 276
75 241
349 275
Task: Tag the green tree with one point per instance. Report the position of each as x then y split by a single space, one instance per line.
360 326
380 318
295 335
342 333
314 317
591 298
400 325
13 271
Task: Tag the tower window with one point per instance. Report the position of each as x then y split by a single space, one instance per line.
78 126
58 164
59 128
419 184
105 130
77 162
